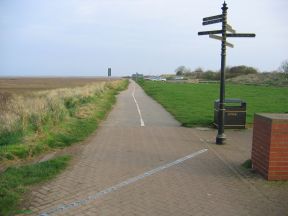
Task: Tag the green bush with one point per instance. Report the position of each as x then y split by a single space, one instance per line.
239 70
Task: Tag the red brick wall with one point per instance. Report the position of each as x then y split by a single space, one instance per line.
270 146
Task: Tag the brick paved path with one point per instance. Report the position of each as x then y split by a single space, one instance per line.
211 183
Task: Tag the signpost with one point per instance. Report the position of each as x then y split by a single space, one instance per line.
220 138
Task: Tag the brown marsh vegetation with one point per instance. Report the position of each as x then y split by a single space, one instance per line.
32 108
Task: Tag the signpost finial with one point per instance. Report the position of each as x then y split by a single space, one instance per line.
224 6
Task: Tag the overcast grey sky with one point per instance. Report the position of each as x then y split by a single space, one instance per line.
85 37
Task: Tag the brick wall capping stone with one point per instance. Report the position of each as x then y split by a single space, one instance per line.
273 117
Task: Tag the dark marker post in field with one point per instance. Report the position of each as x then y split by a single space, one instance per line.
109 72
220 138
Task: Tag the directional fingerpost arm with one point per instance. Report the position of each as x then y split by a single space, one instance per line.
212 21
213 17
220 38
230 29
210 32
241 35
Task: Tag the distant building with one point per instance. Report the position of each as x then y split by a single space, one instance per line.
155 78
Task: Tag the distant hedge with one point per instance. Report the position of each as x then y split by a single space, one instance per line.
239 70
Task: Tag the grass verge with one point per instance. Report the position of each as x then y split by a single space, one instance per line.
193 104
15 181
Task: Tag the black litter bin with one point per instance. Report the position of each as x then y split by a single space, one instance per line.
235 113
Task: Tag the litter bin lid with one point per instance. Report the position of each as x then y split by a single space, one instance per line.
231 100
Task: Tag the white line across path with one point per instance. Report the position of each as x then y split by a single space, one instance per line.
138 108
78 203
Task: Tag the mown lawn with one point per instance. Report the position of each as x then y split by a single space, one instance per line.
193 104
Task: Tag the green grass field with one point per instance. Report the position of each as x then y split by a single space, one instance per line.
193 104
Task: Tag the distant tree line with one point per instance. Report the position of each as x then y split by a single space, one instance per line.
199 73
284 68
230 72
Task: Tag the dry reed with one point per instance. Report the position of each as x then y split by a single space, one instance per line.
18 111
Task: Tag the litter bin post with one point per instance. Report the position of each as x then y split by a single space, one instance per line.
235 113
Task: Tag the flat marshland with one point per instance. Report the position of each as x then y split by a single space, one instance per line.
29 84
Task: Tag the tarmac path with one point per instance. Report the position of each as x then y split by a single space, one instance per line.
141 162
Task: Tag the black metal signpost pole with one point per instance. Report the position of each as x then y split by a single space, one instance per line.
220 139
